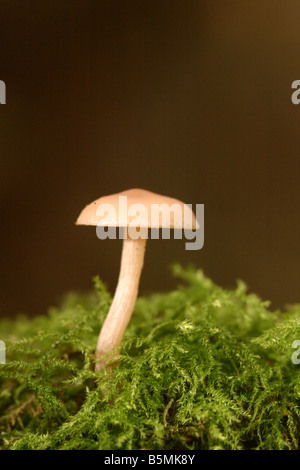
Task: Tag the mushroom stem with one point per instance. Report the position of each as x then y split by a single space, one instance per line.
124 299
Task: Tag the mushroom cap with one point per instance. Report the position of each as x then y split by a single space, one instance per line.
119 214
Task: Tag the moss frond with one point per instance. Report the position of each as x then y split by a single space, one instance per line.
200 367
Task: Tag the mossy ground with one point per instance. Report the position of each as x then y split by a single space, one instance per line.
200 367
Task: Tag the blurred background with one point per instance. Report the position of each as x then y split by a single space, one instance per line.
190 99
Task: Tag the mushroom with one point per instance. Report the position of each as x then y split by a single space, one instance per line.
135 213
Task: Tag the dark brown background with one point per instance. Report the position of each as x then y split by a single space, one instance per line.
191 99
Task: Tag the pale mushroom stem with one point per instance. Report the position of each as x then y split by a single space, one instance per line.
124 300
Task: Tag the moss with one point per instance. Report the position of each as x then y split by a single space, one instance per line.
200 367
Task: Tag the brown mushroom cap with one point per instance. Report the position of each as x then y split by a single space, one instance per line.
122 216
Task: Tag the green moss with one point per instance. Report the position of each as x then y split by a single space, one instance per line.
200 367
